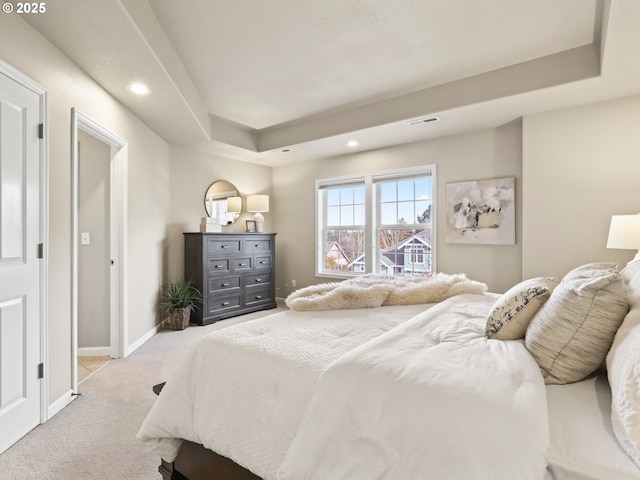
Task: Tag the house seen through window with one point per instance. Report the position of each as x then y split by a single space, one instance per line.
376 223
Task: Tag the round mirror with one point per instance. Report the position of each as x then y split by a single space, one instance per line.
222 202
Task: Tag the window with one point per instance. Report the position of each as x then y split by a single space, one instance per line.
376 223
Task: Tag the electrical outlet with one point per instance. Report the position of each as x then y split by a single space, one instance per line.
293 283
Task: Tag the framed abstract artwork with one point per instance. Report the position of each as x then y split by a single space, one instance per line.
482 212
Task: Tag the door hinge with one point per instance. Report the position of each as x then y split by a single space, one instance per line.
41 250
41 131
40 371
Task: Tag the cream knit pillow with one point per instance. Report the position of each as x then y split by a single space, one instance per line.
570 335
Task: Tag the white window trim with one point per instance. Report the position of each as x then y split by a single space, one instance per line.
370 213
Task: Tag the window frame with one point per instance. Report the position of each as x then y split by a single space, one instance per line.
371 215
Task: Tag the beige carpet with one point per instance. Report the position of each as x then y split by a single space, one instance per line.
94 437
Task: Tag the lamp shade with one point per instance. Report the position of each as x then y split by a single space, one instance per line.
624 232
257 203
234 204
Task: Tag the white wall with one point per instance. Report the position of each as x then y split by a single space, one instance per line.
478 155
191 175
580 166
148 186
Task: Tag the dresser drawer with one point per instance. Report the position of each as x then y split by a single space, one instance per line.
263 261
221 303
257 295
257 279
218 266
227 246
217 284
242 263
257 245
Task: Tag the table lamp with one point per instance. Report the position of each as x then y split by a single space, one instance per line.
624 233
258 204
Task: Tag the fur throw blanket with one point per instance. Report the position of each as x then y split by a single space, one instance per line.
372 290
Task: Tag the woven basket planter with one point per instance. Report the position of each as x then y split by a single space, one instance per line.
179 318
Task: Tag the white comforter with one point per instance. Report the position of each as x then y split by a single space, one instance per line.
407 393
431 399
243 389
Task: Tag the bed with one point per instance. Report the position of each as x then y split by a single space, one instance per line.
393 390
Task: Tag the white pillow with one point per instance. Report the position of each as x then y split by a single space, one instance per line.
572 332
510 315
623 369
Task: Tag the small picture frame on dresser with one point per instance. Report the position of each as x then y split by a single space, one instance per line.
251 226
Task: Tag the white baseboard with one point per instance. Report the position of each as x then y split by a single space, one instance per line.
138 343
60 403
94 351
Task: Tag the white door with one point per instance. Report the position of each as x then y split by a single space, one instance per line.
20 394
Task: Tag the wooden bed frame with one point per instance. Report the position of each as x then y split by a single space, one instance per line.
195 462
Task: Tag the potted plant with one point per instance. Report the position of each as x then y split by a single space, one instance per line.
177 300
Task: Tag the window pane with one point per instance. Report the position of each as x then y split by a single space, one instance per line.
388 192
346 215
405 212
405 252
388 214
333 216
423 188
346 195
405 190
358 214
423 212
344 251
358 195
333 196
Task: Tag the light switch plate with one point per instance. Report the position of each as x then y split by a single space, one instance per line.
85 238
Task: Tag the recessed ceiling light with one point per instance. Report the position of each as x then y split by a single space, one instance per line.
352 143
139 89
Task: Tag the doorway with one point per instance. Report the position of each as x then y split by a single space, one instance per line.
99 160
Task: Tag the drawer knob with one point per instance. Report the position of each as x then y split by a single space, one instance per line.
224 304
262 263
219 266
224 284
243 264
258 297
258 280
224 246
257 245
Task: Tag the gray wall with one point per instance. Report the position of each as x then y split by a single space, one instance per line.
483 154
147 191
581 166
94 160
191 175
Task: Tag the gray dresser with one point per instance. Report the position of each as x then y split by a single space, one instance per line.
234 271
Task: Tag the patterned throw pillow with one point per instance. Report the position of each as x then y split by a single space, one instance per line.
570 335
511 314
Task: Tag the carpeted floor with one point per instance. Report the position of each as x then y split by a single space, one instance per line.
94 437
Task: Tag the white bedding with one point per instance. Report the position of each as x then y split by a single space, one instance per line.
477 407
583 446
432 398
242 390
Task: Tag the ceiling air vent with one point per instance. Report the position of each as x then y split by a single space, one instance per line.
421 121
